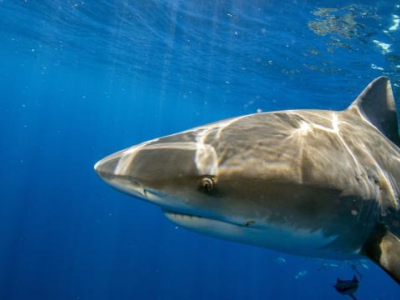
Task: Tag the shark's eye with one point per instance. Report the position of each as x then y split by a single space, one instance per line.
206 184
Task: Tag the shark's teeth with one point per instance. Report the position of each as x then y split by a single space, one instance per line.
181 216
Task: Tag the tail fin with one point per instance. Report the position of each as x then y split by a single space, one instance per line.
383 247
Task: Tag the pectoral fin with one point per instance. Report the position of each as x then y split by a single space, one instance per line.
383 247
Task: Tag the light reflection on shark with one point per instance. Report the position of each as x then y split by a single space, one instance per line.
317 183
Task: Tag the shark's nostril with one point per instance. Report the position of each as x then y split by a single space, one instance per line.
135 184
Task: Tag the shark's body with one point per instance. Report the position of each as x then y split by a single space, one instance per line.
309 182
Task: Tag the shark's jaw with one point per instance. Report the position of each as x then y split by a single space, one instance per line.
289 240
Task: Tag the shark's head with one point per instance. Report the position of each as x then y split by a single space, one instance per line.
197 176
177 175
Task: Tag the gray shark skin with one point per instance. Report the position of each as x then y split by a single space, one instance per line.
317 183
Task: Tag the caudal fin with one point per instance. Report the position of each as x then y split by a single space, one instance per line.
383 247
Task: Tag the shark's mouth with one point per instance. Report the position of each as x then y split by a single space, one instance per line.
195 222
191 220
178 216
239 232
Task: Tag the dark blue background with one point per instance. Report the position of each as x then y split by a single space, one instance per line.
80 80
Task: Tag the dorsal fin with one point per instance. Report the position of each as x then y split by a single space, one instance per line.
376 104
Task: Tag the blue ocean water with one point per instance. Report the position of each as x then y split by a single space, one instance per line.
82 79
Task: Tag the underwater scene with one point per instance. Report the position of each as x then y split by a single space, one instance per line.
197 149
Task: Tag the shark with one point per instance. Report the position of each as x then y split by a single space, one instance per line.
316 183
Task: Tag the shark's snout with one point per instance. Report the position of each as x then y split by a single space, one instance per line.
160 171
105 167
111 170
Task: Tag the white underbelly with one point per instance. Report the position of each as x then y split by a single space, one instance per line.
285 239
